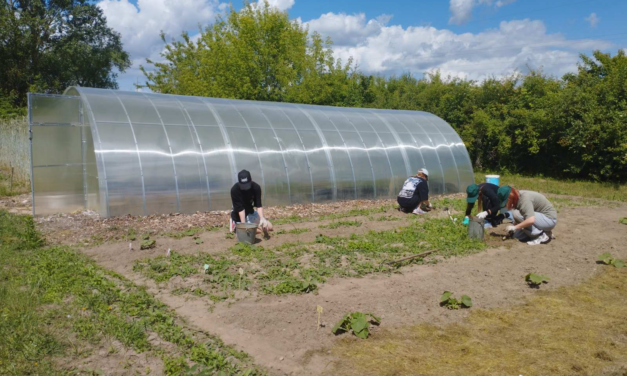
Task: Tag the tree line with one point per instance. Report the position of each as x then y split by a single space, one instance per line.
573 126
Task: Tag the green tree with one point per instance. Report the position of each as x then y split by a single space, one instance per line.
48 45
256 53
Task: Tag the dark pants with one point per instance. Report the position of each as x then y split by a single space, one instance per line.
408 205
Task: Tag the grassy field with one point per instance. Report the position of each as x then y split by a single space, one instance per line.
58 305
572 331
605 191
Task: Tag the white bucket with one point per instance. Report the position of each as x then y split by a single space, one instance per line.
493 179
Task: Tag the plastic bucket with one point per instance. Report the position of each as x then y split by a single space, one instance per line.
475 228
493 179
246 232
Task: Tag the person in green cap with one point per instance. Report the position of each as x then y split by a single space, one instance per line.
534 216
489 204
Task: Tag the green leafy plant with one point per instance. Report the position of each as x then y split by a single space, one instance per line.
623 221
607 259
293 286
535 280
230 235
356 322
449 301
148 243
338 224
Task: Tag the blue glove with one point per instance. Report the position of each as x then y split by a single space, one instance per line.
466 221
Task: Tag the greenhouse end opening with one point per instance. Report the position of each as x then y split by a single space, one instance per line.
118 153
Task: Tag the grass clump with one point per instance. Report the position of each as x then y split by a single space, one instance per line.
295 231
338 224
51 294
570 331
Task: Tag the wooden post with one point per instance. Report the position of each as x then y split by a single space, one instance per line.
11 181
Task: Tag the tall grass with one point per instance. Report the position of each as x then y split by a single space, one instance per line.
14 150
605 191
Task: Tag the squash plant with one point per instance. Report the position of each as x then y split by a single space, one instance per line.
449 301
535 280
357 322
607 259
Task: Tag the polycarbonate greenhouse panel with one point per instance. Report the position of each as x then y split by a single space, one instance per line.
121 153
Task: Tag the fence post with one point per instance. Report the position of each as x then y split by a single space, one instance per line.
11 181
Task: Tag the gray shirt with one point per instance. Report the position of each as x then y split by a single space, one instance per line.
533 202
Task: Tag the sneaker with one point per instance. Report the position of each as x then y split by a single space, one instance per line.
550 234
541 239
418 211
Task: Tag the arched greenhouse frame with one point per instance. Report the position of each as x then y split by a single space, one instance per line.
118 153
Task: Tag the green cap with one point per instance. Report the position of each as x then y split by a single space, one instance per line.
473 193
503 194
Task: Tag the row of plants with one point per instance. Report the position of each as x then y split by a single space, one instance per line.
300 267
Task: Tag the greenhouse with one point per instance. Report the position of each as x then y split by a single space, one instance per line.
119 153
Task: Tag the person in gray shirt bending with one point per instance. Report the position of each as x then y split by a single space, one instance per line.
534 216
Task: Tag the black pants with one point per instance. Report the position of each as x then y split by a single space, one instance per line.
408 205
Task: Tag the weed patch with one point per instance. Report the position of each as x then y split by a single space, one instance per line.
92 303
294 268
295 231
338 224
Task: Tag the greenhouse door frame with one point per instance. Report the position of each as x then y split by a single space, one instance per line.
57 155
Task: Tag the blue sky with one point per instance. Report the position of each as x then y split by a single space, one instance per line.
472 39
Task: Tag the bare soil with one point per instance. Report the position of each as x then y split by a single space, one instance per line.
86 227
281 334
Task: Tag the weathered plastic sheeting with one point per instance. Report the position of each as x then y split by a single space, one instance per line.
144 153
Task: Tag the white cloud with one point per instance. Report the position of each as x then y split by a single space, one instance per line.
347 29
280 4
461 10
593 19
379 48
140 25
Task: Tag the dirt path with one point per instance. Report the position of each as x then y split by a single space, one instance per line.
280 331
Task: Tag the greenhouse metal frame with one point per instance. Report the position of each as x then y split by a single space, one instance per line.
119 153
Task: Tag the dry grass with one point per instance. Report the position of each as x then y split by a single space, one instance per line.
579 330
15 151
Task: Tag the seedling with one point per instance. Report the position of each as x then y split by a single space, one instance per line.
147 243
358 323
535 280
623 221
198 240
607 259
230 235
449 301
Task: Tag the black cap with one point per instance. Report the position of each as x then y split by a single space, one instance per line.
245 180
